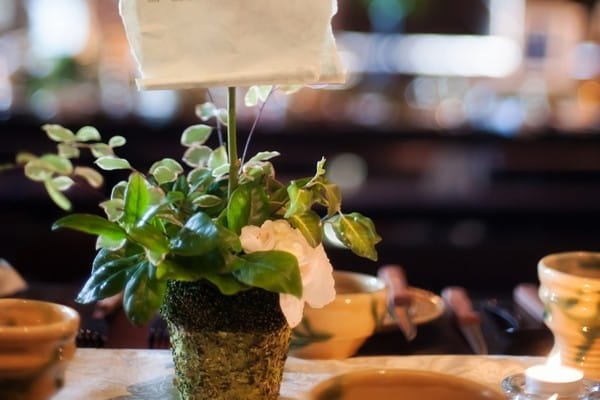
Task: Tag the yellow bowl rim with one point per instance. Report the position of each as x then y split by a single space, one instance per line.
67 326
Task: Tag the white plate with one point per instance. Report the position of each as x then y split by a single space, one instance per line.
426 307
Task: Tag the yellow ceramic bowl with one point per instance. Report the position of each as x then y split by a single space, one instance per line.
37 339
401 384
341 327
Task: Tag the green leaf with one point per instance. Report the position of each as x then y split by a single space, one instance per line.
101 150
57 197
62 183
156 195
58 133
137 199
24 157
103 242
154 257
166 170
276 271
92 224
277 200
38 171
264 156
57 163
150 238
144 294
181 186
171 270
290 89
164 175
228 240
113 209
87 134
170 198
320 168
118 191
223 116
196 135
357 232
106 256
257 94
309 224
256 170
217 158
117 141
226 283
301 200
197 237
249 205
108 278
92 177
206 111
207 201
197 156
333 195
220 171
68 150
168 163
191 268
110 163
199 177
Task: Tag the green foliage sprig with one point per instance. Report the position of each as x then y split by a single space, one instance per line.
182 221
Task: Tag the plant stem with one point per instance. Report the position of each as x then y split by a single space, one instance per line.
258 115
232 142
219 125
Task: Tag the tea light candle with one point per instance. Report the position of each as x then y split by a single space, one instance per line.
553 378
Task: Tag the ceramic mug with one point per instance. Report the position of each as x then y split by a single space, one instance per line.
337 330
570 291
37 340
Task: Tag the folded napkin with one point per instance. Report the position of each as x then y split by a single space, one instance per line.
10 280
204 43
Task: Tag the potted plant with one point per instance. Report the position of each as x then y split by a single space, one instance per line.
226 251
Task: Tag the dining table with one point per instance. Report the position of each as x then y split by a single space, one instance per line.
134 374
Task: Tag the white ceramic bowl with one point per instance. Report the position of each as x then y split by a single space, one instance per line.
37 340
401 384
341 327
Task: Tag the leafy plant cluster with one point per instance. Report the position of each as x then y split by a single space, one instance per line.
182 221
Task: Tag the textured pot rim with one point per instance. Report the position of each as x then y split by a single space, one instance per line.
64 326
396 374
544 269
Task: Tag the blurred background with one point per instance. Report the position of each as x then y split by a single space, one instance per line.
468 130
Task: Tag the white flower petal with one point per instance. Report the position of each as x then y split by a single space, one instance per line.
250 239
292 308
319 289
315 269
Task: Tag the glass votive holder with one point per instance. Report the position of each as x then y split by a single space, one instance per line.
570 291
514 388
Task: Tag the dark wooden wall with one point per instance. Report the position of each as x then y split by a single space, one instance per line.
467 209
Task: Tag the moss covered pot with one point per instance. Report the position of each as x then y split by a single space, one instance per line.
226 347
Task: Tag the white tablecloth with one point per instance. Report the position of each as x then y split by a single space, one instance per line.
103 374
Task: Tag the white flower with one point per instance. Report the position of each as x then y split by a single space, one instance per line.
315 268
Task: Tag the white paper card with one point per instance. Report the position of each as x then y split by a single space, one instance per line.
202 43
